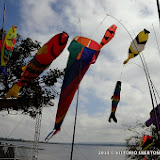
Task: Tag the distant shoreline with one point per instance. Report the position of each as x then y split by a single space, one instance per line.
81 143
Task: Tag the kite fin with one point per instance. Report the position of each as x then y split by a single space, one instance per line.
24 68
51 134
149 145
113 117
126 61
13 91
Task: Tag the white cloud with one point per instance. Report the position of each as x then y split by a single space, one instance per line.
42 19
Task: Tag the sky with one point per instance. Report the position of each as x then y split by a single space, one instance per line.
40 20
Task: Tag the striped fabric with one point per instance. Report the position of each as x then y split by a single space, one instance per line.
83 53
115 100
137 45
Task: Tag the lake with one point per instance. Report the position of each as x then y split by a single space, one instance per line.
81 152
49 151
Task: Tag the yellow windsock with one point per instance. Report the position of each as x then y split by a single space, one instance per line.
126 61
13 92
8 45
137 45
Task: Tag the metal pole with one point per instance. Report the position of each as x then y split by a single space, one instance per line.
158 9
74 125
75 121
3 22
145 70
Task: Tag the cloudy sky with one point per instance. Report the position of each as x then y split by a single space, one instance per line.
41 20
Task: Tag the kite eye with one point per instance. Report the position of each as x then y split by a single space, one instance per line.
63 38
146 31
65 35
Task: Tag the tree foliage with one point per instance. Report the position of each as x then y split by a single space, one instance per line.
133 142
34 95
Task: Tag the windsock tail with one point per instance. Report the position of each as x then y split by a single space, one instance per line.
13 92
112 116
126 61
101 45
24 68
51 134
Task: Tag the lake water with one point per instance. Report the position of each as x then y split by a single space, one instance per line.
81 152
49 151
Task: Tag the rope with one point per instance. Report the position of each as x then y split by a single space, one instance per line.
146 71
153 87
98 26
16 127
149 78
146 74
121 24
150 90
150 85
156 39
121 73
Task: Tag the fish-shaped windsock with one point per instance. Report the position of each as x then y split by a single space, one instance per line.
146 142
108 35
8 45
154 119
115 100
83 53
137 45
42 60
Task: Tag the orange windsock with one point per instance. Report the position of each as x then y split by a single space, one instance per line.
108 35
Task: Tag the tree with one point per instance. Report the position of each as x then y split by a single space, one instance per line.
34 95
133 142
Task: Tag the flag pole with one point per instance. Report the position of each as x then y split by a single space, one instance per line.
3 21
158 10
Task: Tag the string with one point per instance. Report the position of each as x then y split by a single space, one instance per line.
146 74
156 39
98 26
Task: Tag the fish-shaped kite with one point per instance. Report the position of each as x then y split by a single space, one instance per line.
7 46
115 100
83 53
146 142
42 60
137 45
